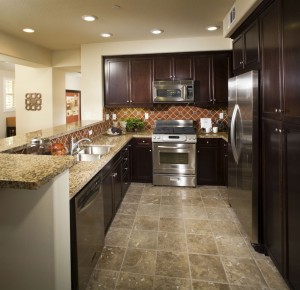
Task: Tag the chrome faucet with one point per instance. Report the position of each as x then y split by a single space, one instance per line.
75 145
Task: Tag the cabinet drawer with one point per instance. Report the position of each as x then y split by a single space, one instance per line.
207 142
142 141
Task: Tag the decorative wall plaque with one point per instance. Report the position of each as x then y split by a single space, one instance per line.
33 102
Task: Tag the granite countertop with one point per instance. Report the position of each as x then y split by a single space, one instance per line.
31 171
82 172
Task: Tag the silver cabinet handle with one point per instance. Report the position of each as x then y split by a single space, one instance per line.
150 150
115 174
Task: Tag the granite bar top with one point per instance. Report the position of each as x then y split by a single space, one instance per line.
21 140
31 171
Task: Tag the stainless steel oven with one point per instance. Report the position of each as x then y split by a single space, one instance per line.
174 153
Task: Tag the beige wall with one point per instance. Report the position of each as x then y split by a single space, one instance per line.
91 63
33 80
59 100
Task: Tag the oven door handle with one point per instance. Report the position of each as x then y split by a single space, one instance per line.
169 147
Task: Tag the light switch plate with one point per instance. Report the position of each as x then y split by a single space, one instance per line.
146 116
221 115
106 117
114 116
90 132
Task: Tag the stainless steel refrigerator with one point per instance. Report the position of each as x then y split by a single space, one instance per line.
243 153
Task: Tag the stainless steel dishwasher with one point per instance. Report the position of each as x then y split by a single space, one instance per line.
87 232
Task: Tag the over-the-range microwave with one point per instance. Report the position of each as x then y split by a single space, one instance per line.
177 91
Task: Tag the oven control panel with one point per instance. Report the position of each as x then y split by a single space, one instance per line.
174 138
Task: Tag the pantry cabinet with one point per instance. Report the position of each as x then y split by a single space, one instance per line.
271 81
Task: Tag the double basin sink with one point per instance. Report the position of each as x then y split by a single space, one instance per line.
92 152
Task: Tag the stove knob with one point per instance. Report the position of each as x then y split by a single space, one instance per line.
153 137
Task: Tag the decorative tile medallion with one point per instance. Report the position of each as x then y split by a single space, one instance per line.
33 101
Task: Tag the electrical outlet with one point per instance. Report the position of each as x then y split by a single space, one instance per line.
90 132
114 116
146 116
221 115
106 117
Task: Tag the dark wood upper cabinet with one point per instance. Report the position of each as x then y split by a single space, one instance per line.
116 81
141 74
175 67
246 48
128 82
291 56
211 73
271 80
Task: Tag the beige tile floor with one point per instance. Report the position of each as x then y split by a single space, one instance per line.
167 238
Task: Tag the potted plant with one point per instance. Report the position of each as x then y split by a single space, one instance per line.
134 124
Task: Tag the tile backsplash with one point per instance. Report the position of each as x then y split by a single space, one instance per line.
168 112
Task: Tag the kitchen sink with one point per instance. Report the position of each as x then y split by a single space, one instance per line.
92 153
95 149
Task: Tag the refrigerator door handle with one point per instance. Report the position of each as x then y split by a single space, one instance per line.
233 134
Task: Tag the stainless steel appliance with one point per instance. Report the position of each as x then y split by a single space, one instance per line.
87 232
173 91
174 153
243 153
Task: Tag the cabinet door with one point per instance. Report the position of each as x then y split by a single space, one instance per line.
183 67
202 72
107 189
291 56
207 162
238 52
251 42
163 67
292 178
141 160
141 82
270 57
116 82
220 75
272 190
223 162
117 185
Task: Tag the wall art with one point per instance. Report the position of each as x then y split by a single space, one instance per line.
33 101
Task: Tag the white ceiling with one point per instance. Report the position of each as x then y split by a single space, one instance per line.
59 26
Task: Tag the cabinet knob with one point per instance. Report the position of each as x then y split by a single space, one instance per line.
276 110
241 62
127 101
207 142
150 150
143 141
280 111
276 130
115 174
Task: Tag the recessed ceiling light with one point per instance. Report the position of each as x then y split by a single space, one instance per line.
89 18
28 30
212 28
106 35
157 31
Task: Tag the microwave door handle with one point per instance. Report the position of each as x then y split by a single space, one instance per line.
184 92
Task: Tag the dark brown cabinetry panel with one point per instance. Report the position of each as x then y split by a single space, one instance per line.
292 178
125 165
141 160
223 151
175 67
116 82
141 81
211 73
270 29
107 189
238 52
210 162
117 184
128 82
272 190
246 48
291 56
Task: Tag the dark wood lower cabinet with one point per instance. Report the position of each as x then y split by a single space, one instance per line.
272 190
211 161
292 195
141 160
